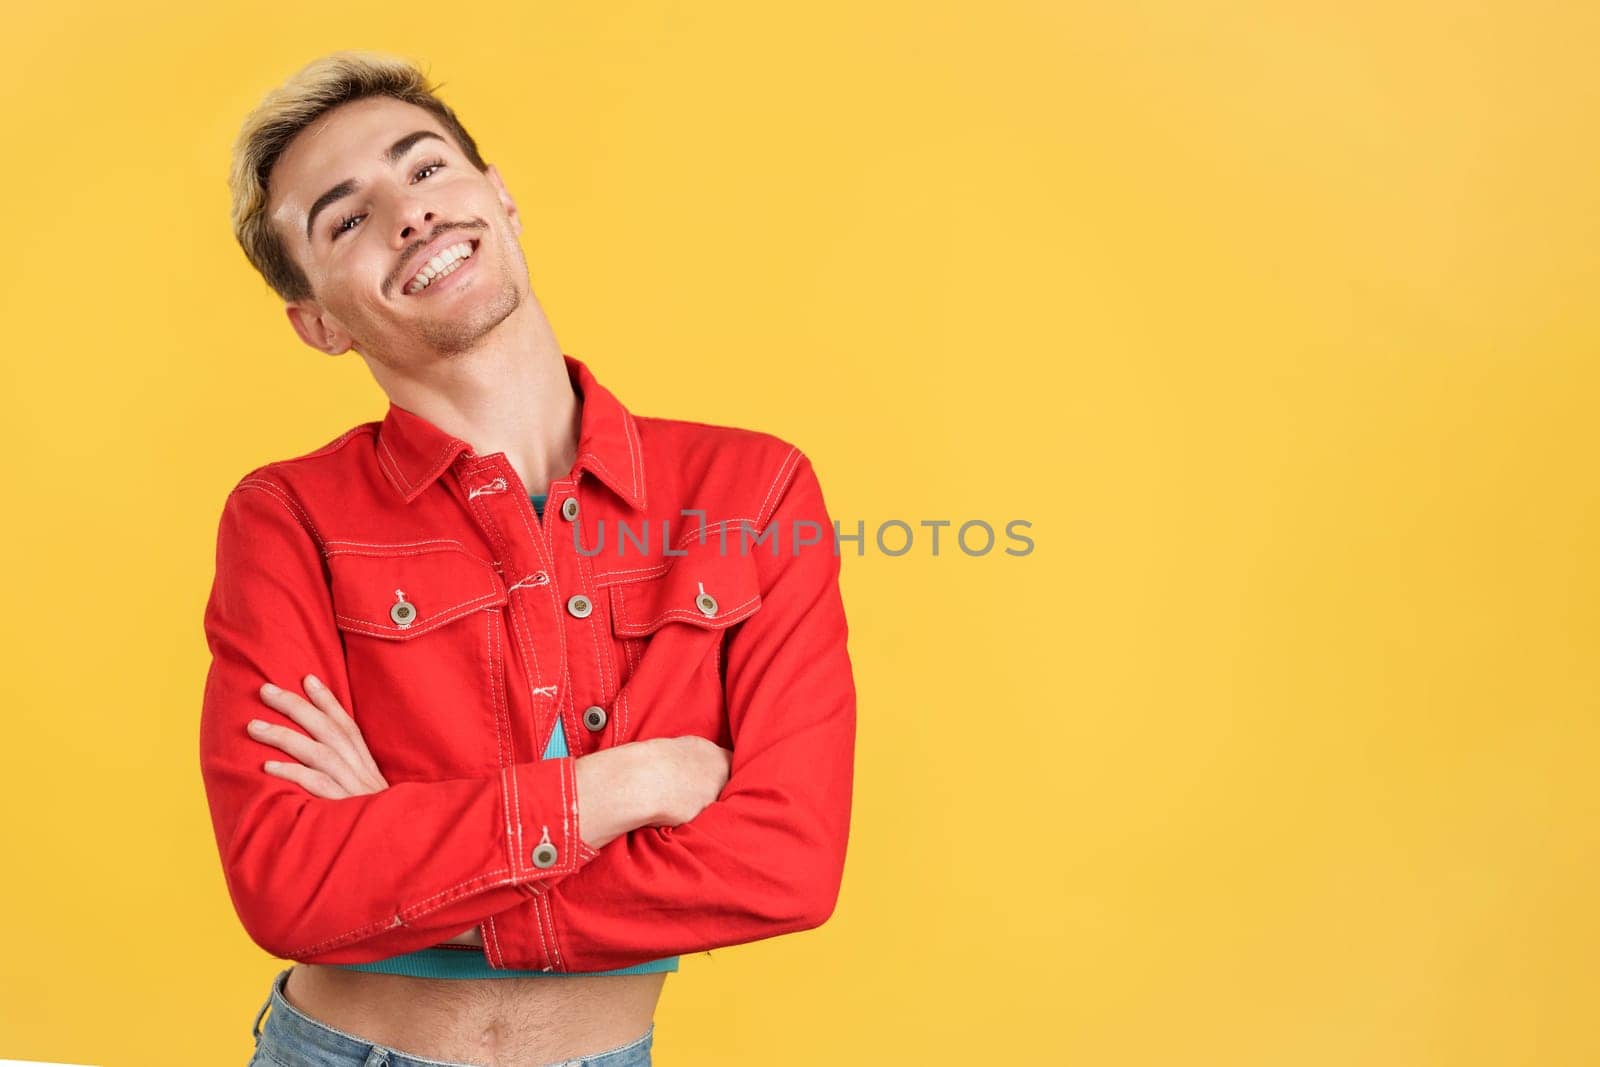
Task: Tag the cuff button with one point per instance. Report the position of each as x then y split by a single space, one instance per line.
544 856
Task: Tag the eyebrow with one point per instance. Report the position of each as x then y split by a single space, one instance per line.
350 185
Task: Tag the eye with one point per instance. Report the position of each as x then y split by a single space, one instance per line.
343 225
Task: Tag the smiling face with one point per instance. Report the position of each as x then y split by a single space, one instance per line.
369 195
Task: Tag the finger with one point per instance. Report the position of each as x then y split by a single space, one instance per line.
346 736
324 699
310 717
313 720
312 781
329 704
373 784
317 757
312 754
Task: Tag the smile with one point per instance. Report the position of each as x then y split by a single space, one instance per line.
447 262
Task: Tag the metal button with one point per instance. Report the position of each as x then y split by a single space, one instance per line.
580 606
402 612
569 508
706 603
594 717
544 853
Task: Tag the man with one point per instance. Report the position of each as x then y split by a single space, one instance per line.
518 745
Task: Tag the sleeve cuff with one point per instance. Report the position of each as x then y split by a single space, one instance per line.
540 801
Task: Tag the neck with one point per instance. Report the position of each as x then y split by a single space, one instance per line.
509 394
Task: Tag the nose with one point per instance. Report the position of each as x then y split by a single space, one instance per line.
412 221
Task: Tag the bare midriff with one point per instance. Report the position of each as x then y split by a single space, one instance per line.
495 1022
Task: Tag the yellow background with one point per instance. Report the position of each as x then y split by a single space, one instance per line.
1276 321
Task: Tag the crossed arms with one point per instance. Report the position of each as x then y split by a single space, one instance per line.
358 876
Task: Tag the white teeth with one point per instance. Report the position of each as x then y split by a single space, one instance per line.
443 263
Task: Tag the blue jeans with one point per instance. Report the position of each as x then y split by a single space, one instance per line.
293 1039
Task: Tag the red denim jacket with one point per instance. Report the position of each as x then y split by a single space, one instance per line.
412 575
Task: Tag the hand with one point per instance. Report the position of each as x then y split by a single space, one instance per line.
333 761
660 781
687 774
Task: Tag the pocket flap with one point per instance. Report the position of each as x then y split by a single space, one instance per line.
704 588
401 591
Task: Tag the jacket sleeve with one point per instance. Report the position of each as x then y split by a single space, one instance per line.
353 879
767 857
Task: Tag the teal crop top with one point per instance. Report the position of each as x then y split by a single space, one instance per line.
468 961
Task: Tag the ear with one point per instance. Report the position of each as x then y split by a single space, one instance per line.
506 202
316 327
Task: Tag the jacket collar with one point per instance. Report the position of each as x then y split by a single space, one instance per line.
413 452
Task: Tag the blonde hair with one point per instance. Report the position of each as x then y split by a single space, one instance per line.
318 87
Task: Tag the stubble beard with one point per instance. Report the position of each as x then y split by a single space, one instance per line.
450 337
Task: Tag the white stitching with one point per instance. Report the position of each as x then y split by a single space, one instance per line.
408 489
606 577
415 910
644 574
444 451
535 579
339 442
436 620
546 558
544 948
600 466
282 496
496 486
722 620
631 433
569 830
764 514
541 904
499 958
393 465
602 659
496 671
385 549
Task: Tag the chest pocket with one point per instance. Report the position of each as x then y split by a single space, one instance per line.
401 592
424 647
703 588
673 622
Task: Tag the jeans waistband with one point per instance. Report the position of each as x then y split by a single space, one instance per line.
292 1026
